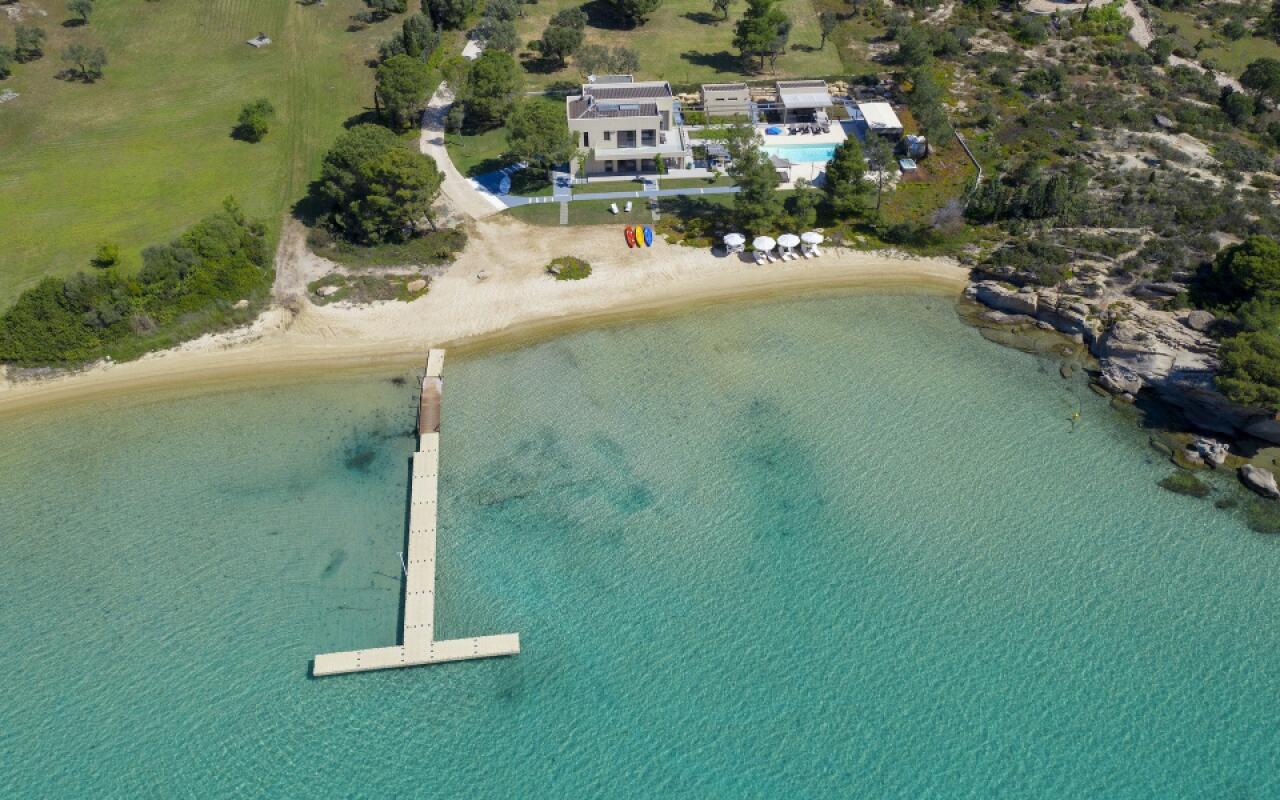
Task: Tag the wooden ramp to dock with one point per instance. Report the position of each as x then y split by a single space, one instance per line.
418 643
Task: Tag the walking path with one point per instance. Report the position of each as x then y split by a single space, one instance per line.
463 195
1141 33
419 645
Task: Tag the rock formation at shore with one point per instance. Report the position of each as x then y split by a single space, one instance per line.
1138 347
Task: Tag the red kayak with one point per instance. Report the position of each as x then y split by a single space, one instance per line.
631 236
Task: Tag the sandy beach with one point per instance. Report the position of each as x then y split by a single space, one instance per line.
516 301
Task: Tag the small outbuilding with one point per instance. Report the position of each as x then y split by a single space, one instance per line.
804 101
726 99
880 118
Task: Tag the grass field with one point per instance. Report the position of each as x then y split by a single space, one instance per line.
146 151
596 212
479 153
682 43
1228 56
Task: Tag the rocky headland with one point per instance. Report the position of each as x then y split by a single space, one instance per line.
1143 346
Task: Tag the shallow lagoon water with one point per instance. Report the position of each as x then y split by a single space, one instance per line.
815 548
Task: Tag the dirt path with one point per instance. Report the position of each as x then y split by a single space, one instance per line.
1141 33
461 196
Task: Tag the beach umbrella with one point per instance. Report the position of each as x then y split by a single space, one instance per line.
788 240
812 237
764 243
735 239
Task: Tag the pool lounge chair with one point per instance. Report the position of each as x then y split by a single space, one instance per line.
760 257
816 252
613 208
807 252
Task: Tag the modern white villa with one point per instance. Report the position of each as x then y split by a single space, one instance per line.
626 127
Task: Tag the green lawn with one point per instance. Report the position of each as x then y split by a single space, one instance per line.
478 153
145 152
693 183
1229 56
581 213
601 187
683 43
596 212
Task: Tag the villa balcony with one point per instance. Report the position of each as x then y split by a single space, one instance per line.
671 144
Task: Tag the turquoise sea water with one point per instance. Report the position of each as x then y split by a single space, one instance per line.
819 548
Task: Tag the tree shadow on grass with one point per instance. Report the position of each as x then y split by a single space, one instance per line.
688 207
312 207
702 18
488 165
73 23
528 181
540 65
722 61
600 14
74 75
365 117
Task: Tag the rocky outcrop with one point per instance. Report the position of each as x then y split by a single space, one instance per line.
1067 314
1138 348
1260 480
1119 379
1007 299
1199 320
1207 451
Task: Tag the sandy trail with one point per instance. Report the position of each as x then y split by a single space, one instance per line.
458 192
517 301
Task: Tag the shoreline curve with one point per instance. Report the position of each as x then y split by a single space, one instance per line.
516 305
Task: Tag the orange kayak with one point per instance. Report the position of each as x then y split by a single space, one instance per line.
631 236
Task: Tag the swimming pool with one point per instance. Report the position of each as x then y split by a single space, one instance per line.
802 153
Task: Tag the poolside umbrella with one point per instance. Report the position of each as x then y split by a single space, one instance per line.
764 243
734 240
812 237
788 240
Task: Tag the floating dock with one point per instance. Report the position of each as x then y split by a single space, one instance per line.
418 643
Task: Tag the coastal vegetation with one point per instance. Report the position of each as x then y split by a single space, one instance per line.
569 268
215 275
365 288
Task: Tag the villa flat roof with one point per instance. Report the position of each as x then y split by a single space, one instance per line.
724 87
582 108
627 91
880 116
804 94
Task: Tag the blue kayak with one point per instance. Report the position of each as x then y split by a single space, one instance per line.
648 236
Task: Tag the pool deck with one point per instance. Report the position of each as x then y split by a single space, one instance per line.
418 643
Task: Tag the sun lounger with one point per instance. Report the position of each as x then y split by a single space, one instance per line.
816 252
770 257
613 208
627 207
760 257
806 253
